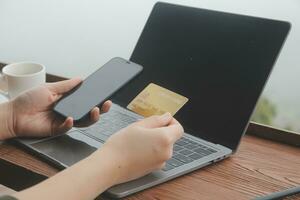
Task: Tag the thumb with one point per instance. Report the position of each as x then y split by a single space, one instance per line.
156 121
62 87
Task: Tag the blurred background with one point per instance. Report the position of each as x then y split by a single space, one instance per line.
74 37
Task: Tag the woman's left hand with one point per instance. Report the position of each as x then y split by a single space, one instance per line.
32 115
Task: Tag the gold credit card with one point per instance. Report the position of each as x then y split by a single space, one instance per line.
156 100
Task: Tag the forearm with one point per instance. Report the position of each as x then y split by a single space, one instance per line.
6 121
83 181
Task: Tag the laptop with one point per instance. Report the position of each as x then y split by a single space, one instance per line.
220 61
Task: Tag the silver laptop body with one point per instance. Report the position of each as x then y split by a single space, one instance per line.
190 153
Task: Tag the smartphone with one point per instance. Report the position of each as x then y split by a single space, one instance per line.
97 88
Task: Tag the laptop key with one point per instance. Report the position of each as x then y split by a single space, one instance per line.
177 148
202 146
207 149
168 167
202 151
183 158
191 146
184 139
174 163
181 142
212 150
185 152
196 156
192 142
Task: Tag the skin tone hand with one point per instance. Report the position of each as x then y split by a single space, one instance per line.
30 114
151 138
130 153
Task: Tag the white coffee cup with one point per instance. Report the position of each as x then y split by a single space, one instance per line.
22 76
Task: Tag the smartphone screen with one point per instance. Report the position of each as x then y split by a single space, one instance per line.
97 88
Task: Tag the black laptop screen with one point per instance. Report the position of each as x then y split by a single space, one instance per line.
219 61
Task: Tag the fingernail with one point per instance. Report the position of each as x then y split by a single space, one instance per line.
165 116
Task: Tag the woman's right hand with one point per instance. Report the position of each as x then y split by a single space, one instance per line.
142 147
132 152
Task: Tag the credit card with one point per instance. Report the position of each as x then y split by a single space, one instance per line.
156 100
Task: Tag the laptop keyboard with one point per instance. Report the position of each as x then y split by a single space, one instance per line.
109 123
185 150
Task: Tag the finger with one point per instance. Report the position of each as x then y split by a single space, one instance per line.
174 121
155 121
93 117
161 166
95 114
59 128
106 106
62 87
173 131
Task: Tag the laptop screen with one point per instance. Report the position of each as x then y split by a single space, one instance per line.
219 61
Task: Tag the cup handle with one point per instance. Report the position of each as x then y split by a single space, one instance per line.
3 86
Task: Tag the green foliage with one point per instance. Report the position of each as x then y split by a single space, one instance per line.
265 112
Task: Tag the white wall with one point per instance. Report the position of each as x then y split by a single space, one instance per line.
72 37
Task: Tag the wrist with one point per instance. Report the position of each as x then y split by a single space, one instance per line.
105 160
84 180
6 121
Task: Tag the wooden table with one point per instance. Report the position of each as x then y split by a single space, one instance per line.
259 167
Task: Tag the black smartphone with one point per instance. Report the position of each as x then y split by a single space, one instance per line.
97 88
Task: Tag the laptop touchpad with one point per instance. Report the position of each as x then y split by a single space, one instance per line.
67 149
